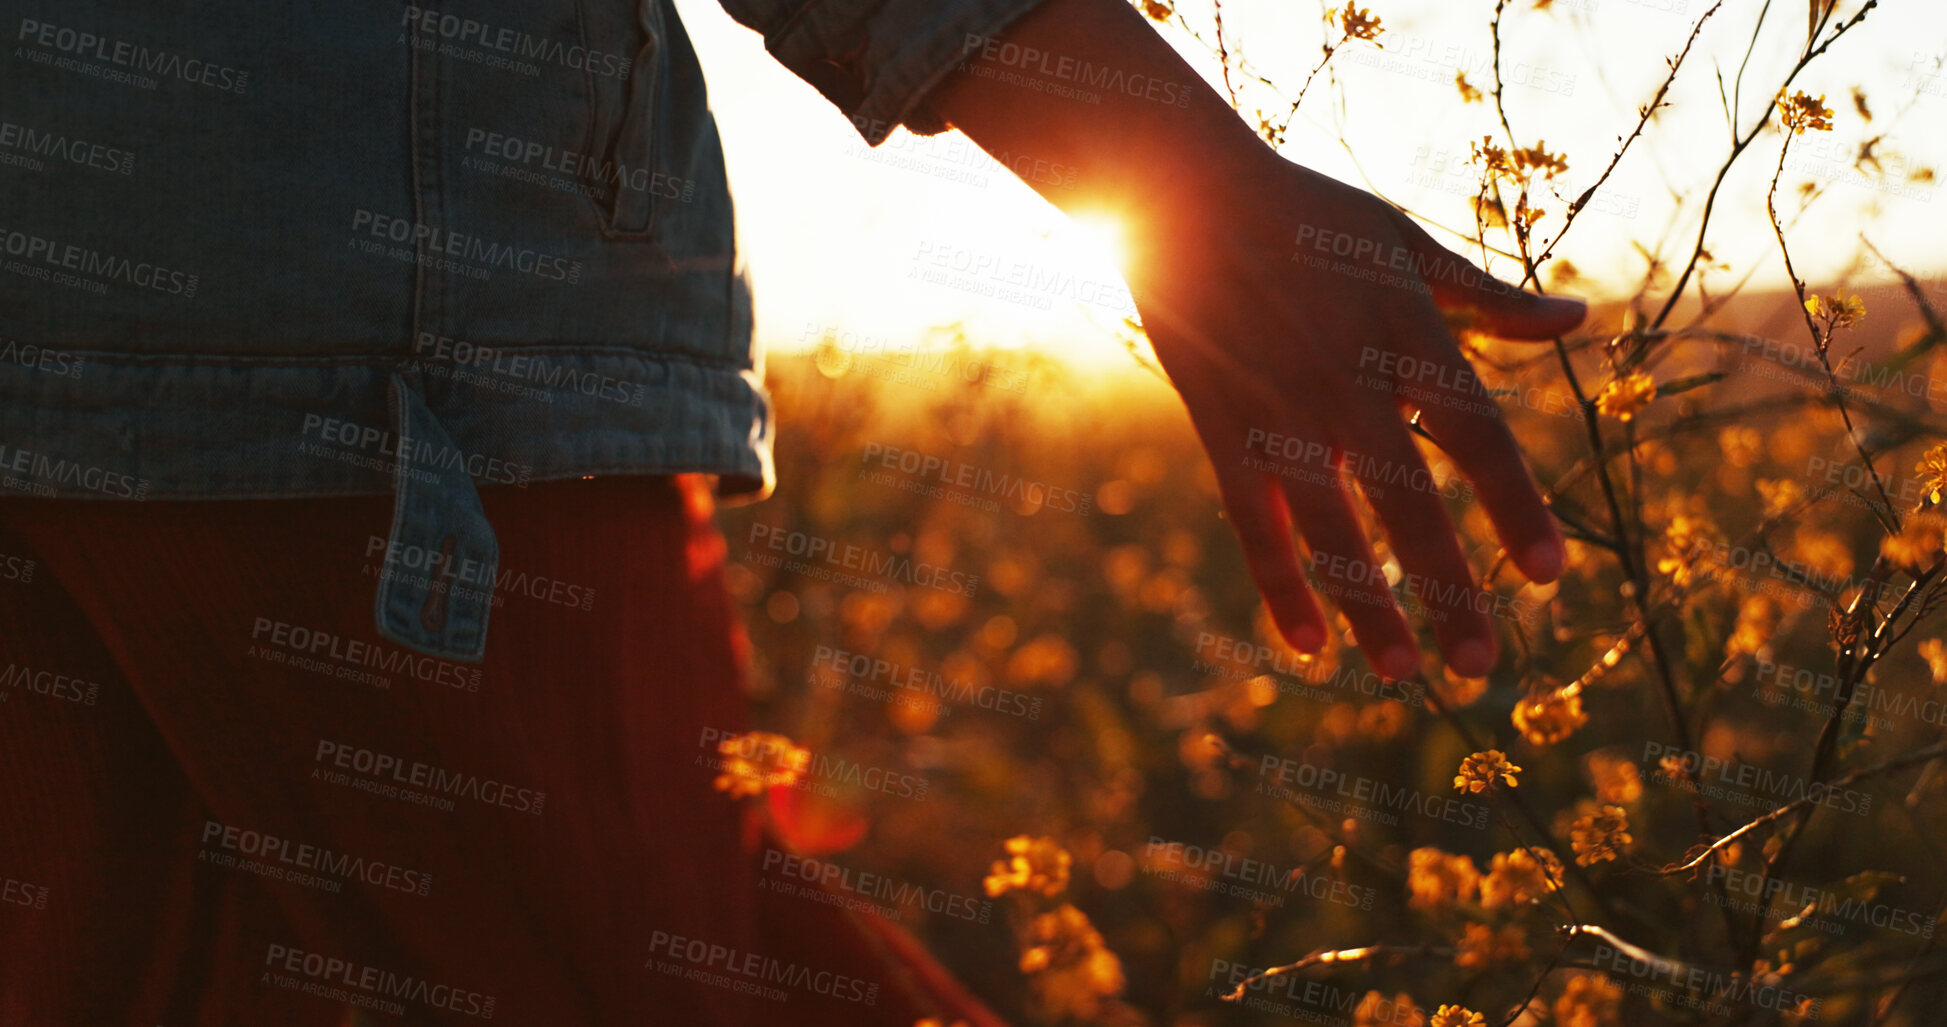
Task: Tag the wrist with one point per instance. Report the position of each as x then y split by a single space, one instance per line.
1089 85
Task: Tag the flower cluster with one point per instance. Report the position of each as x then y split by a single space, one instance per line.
1837 311
1588 1000
1916 549
1530 160
1037 865
1616 778
1516 879
1689 541
1357 22
1935 653
1757 621
1457 1016
759 760
1438 879
1933 472
1522 164
1479 771
1780 496
1458 692
1599 836
1800 113
1623 397
1073 969
1481 946
1376 1010
1550 717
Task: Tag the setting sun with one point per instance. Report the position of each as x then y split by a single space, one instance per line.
1405 132
1092 243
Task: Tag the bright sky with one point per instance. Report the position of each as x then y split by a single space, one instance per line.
834 232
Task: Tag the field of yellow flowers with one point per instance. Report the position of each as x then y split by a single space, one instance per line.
1020 697
1055 736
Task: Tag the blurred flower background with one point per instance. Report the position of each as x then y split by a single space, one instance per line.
1702 784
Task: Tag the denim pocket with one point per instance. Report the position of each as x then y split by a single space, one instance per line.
624 41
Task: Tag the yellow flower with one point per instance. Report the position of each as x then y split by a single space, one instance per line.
1457 1016
759 760
1073 969
1757 621
1933 466
1382 720
1038 865
1525 215
1780 496
1623 397
1469 93
1616 777
1482 946
1492 157
1690 541
1456 692
1935 654
1438 879
1742 444
1598 837
1522 164
1357 22
1376 1010
1517 880
1048 660
1841 311
1589 1000
1799 112
1824 554
1549 718
1917 547
1535 158
1478 772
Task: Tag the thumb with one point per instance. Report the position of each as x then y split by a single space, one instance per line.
1499 308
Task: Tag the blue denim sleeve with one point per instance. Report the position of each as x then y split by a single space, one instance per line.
876 59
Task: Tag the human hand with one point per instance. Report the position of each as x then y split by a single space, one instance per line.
1301 318
1290 310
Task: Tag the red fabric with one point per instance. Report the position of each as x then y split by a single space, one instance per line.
174 614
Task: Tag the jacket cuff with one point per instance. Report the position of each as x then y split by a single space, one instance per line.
877 61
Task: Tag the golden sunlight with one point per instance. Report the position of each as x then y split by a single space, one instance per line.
1092 243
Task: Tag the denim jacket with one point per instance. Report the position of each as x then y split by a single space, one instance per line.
303 249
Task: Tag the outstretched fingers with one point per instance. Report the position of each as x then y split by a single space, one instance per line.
1347 570
1464 419
1263 526
1404 494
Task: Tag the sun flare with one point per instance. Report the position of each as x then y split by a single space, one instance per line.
1092 242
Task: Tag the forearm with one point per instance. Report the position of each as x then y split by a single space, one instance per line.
1158 138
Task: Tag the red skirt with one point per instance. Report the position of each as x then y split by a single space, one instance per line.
224 800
